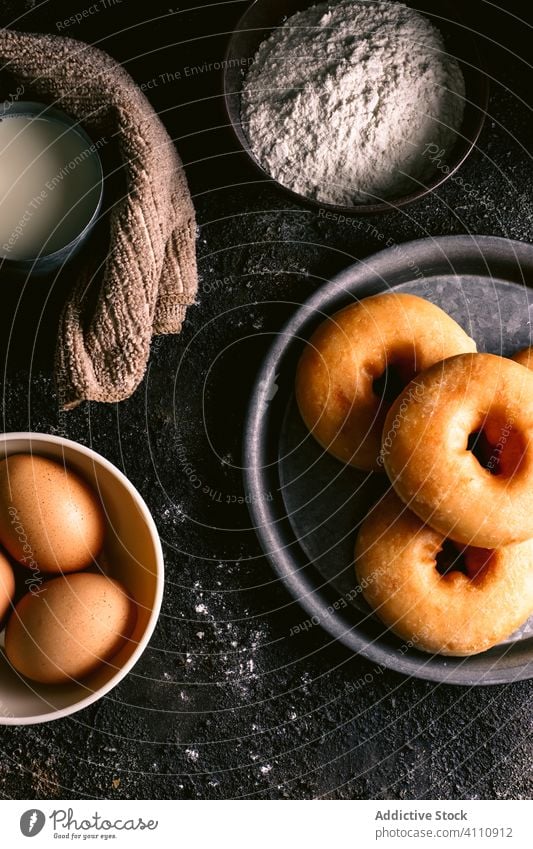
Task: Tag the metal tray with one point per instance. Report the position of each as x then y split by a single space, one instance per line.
308 522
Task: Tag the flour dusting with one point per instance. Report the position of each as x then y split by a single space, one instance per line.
342 101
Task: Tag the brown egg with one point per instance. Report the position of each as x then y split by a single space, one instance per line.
50 519
70 628
7 585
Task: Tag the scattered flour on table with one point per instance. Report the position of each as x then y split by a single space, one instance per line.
341 101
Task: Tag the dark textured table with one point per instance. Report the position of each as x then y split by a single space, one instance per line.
225 703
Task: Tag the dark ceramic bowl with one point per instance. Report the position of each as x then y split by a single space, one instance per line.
263 16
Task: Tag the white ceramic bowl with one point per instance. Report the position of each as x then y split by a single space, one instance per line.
133 547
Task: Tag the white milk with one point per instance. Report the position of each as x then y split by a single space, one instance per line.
49 185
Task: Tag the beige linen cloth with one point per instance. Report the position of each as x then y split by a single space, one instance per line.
149 275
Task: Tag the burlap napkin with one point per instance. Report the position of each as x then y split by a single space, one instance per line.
149 275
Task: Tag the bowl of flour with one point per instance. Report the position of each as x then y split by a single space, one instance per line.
356 105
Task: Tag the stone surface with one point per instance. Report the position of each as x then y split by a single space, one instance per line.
224 703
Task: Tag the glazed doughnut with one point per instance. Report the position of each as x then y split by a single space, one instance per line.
456 613
336 378
427 440
524 357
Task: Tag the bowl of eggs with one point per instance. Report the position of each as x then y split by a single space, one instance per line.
81 577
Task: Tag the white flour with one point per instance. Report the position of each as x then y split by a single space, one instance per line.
346 95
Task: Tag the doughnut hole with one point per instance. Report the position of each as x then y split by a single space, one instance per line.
480 563
398 372
454 559
480 447
450 558
498 446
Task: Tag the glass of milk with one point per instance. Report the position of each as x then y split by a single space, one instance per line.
51 186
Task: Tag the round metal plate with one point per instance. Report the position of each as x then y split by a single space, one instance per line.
308 524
